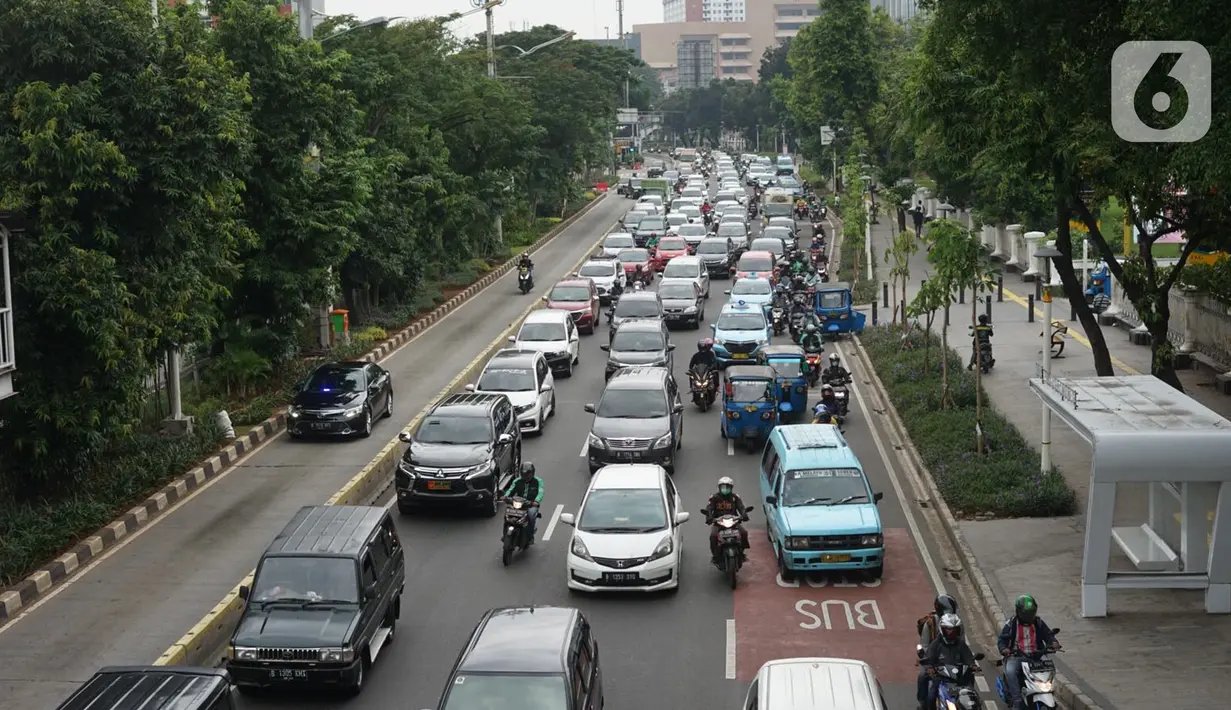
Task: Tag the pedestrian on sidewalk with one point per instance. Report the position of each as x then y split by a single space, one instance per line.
916 216
901 220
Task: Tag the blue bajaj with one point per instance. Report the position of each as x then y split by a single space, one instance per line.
790 366
836 309
750 404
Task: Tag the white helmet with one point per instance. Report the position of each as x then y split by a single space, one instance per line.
726 486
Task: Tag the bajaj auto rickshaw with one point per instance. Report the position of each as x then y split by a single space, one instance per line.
750 404
837 312
790 368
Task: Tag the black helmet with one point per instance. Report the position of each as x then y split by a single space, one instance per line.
945 604
705 344
983 319
1026 609
527 470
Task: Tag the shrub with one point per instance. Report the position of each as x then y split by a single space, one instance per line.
1006 482
864 290
32 533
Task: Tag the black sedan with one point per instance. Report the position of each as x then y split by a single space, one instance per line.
341 399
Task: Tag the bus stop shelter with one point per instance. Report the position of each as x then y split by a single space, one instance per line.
1143 431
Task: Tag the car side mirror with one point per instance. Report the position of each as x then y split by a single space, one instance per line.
504 439
681 518
979 656
545 299
749 509
369 592
589 408
671 347
301 384
568 519
678 409
605 348
1056 630
244 592
713 326
512 339
728 293
545 389
469 388
877 497
404 437
771 500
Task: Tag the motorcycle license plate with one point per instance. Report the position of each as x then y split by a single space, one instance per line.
728 534
620 576
288 674
439 486
739 356
835 558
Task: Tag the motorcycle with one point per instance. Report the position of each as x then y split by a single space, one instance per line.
986 361
835 419
1038 680
704 387
817 256
1059 330
956 686
778 318
730 544
814 367
842 398
524 281
516 535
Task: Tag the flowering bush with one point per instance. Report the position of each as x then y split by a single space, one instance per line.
1005 482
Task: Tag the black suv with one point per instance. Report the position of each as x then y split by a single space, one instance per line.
155 688
324 602
640 342
459 454
639 419
544 653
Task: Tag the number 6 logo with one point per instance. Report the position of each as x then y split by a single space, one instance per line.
1174 79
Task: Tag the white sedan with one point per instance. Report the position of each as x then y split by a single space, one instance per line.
627 533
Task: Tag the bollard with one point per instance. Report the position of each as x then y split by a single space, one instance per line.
873 312
1038 289
1000 289
1030 308
1073 312
987 308
946 315
961 294
885 293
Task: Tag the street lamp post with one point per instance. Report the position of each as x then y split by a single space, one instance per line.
1046 253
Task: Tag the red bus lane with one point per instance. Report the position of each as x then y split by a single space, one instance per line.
844 616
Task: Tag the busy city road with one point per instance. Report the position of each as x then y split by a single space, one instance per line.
697 647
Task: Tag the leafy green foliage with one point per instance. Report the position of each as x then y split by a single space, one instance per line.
1006 482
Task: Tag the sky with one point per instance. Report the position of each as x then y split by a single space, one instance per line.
590 19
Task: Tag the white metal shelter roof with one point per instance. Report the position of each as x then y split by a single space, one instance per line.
1141 428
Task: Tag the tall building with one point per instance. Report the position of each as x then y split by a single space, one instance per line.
724 10
682 10
900 10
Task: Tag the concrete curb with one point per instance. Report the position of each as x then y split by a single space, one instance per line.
39 583
212 631
1067 692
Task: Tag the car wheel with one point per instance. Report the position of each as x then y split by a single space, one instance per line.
542 422
389 406
367 422
876 572
357 686
568 371
407 508
783 571
553 404
489 508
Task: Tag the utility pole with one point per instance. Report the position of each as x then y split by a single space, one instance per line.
491 74
305 18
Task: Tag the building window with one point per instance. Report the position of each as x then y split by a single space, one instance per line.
789 26
791 12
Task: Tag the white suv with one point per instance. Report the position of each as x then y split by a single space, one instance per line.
552 333
524 377
606 275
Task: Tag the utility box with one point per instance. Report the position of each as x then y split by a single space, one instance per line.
339 320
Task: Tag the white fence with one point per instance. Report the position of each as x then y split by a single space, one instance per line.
1198 323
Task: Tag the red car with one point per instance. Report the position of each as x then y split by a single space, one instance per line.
668 249
580 297
632 258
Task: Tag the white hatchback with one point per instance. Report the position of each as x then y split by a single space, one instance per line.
524 377
617 242
552 333
627 532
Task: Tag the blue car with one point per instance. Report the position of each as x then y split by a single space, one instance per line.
739 334
754 291
821 511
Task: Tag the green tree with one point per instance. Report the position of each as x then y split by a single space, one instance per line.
124 146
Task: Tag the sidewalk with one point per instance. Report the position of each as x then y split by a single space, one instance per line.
1157 648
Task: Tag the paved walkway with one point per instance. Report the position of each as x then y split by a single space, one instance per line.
1157 648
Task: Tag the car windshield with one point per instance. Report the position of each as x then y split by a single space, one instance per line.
438 429
599 269
506 380
751 287
672 244
636 308
711 247
833 299
634 256
542 333
623 510
306 579
570 293
782 222
741 321
336 379
653 223
692 230
677 270
677 291
749 391
732 229
507 692
830 486
622 240
776 233
756 263
637 342
632 404
787 368
773 246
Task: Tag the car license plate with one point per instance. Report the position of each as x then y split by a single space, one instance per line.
628 455
835 558
739 356
288 674
439 486
620 576
321 426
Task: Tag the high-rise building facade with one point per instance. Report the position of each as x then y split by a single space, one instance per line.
682 10
725 10
900 10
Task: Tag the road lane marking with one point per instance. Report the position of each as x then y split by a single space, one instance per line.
551 524
981 683
1081 339
585 445
730 447
731 651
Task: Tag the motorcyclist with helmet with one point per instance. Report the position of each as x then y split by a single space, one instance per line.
725 502
640 274
948 649
704 360
835 373
524 262
823 415
982 336
1025 633
830 400
928 628
529 486
811 339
